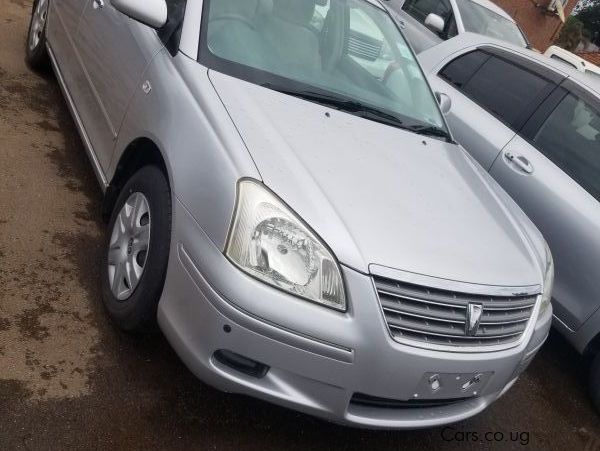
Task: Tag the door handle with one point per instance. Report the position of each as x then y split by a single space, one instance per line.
520 161
98 4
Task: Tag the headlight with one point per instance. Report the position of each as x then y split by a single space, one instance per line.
548 282
268 241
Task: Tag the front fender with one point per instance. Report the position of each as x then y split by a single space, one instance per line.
177 108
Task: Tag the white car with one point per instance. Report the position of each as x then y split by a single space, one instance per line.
426 23
572 60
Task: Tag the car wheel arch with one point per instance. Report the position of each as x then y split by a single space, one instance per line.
137 154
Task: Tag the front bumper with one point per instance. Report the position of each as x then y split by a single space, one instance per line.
318 358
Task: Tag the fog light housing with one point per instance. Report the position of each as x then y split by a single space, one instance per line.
240 363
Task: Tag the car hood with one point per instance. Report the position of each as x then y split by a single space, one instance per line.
378 195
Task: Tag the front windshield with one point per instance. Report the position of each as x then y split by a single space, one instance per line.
479 19
345 53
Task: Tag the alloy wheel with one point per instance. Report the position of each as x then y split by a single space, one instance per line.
38 22
128 248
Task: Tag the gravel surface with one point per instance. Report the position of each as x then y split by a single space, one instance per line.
70 380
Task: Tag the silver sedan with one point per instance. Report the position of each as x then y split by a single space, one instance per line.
285 201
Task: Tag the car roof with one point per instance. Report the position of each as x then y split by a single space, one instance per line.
495 8
466 41
559 51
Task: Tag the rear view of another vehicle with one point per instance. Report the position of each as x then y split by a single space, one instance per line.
535 126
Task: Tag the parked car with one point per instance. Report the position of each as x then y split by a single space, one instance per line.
429 22
288 204
570 59
534 125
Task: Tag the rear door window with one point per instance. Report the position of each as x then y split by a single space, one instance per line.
506 89
570 138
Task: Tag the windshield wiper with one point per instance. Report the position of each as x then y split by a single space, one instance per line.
324 99
359 109
377 115
365 111
431 130
339 103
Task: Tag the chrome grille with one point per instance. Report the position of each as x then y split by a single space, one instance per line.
439 317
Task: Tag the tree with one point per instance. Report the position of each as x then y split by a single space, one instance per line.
588 13
571 34
581 4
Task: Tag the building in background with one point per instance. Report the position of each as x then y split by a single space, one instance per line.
540 19
592 57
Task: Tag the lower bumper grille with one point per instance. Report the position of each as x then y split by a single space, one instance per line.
385 403
448 318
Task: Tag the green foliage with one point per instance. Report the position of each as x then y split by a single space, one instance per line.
588 13
585 4
571 34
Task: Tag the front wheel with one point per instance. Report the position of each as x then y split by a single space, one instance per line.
137 250
36 54
595 381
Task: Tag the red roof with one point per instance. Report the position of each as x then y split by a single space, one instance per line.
592 57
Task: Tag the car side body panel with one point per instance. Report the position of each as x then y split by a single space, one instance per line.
115 52
472 126
570 220
62 28
208 158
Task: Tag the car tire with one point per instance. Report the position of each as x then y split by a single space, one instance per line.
36 54
594 382
136 252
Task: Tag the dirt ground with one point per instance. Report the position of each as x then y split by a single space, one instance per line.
70 380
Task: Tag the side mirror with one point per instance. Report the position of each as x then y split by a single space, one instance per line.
150 12
444 101
435 23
